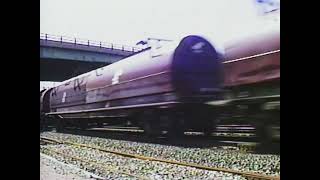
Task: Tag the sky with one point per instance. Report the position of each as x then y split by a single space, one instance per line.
129 21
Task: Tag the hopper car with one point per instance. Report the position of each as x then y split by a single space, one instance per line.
159 89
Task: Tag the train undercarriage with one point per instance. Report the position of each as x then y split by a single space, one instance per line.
172 120
257 105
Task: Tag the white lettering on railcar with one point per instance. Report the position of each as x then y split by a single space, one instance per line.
64 97
116 76
197 48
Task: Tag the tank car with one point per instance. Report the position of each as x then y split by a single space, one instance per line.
41 111
252 81
161 89
44 107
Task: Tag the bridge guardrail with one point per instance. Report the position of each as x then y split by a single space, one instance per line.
89 43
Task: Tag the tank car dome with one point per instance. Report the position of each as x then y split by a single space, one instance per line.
197 65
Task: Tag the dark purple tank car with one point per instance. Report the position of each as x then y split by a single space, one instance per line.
161 89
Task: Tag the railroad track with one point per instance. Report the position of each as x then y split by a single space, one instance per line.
239 132
227 133
237 136
92 163
99 165
222 131
243 141
247 175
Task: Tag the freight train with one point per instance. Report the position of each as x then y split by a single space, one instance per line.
161 90
192 86
252 83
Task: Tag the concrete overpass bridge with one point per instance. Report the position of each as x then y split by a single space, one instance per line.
63 57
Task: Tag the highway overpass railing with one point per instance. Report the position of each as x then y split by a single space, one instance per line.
89 43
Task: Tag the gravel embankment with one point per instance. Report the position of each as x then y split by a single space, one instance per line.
50 169
215 157
111 166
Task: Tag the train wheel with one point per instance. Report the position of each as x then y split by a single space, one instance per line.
177 127
264 135
42 127
151 125
209 124
99 124
264 132
207 131
42 122
83 124
59 125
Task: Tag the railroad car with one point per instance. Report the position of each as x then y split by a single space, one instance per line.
44 107
252 82
160 89
41 110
